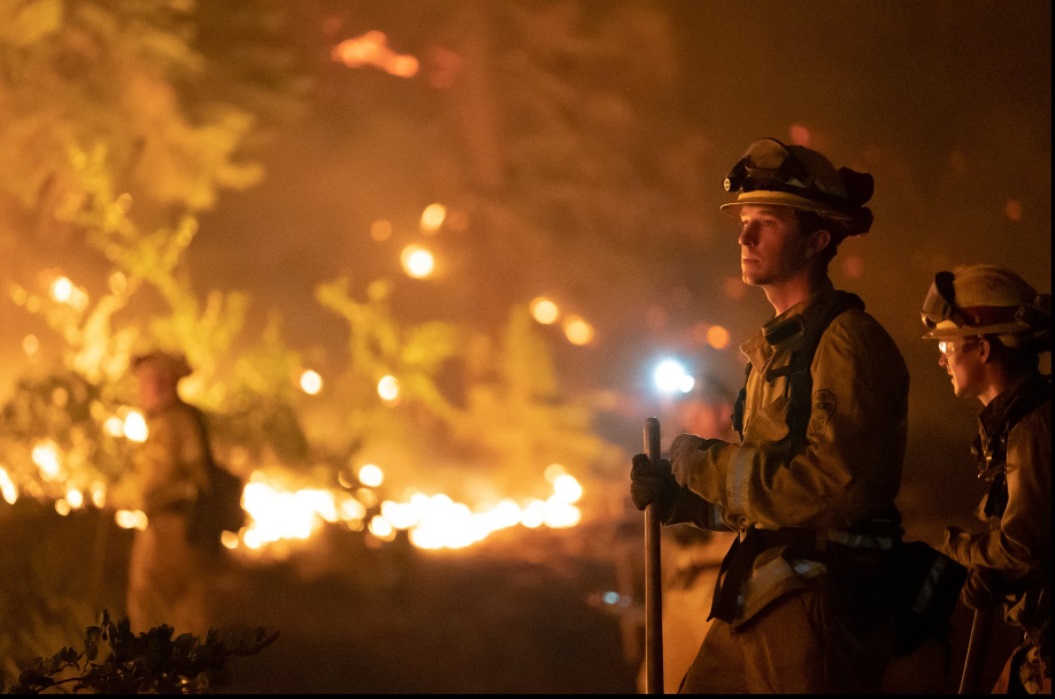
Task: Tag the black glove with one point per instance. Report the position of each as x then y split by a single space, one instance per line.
652 483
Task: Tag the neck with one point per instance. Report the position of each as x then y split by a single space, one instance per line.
788 293
1001 379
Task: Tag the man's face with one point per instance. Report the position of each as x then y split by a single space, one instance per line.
772 248
960 358
156 387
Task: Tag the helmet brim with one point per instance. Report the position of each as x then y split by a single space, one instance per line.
948 329
760 197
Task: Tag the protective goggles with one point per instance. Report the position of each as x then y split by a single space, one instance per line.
768 165
940 303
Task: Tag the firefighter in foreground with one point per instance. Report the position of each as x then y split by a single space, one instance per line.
799 606
168 576
991 327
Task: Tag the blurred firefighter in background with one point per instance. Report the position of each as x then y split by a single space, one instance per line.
168 576
800 605
992 327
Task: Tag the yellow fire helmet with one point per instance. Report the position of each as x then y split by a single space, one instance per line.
986 300
773 173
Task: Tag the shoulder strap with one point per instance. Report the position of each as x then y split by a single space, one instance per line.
815 320
993 453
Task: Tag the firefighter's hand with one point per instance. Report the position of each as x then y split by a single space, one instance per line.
652 483
683 454
982 589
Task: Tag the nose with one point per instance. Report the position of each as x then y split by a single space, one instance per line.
748 234
943 362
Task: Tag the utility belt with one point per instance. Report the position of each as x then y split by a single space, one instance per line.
870 566
816 541
822 545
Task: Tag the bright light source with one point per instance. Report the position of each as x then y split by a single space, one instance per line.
371 475
577 330
61 289
671 377
136 426
388 388
310 382
432 217
544 311
417 261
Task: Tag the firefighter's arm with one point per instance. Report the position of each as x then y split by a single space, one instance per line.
1025 527
855 442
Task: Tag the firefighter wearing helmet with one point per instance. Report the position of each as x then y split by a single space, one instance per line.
991 327
801 604
169 576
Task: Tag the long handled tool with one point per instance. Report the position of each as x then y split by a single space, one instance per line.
976 650
653 580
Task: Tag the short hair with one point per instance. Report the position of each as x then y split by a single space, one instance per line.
810 222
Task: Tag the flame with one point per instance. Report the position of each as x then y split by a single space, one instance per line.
46 457
7 487
431 521
372 49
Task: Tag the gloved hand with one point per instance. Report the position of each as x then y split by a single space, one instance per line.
682 451
652 483
982 589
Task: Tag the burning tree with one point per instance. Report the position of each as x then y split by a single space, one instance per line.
120 132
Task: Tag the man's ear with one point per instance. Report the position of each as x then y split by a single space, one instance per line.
818 241
985 350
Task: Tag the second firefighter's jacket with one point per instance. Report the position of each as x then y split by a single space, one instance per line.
788 500
1014 450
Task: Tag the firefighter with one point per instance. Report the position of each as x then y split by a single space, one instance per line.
992 327
168 576
810 486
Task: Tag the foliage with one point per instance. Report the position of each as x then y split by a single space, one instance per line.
149 662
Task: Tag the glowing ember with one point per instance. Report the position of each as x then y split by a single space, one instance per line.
717 337
432 217
131 519
417 261
578 331
388 388
7 488
372 49
30 345
371 475
135 426
62 290
310 382
46 457
544 311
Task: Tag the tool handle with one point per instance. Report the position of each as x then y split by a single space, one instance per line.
977 646
653 578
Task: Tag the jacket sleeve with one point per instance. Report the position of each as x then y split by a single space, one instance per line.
850 468
1012 548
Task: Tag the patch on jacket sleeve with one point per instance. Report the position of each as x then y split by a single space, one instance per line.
821 414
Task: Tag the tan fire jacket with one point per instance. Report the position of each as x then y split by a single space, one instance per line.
849 470
1016 549
171 465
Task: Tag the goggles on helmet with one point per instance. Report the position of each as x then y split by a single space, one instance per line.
940 303
768 165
